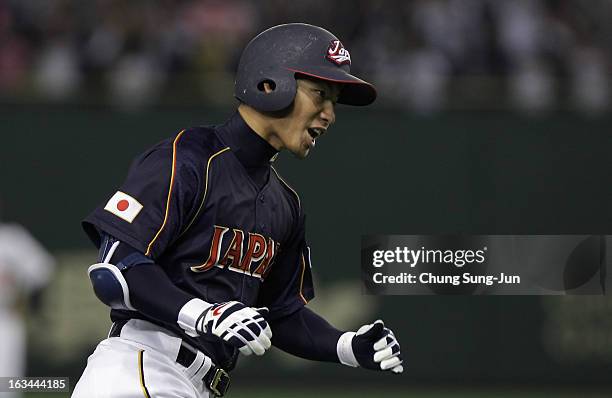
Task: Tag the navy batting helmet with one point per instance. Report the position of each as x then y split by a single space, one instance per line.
280 53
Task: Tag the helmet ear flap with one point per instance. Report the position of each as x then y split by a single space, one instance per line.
283 90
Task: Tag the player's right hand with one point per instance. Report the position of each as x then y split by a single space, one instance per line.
243 327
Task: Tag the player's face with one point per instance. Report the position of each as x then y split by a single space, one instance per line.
312 114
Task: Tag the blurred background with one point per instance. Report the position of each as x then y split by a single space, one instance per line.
493 117
425 55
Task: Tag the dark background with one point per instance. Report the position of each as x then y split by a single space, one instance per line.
378 171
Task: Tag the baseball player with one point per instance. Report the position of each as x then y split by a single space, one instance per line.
203 254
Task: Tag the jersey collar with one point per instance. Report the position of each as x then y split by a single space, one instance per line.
247 145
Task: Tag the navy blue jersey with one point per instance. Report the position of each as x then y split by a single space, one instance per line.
208 207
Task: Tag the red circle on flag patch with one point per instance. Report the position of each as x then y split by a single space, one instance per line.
122 205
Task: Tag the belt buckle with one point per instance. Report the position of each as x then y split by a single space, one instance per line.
220 382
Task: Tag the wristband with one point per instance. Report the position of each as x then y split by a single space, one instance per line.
344 349
191 316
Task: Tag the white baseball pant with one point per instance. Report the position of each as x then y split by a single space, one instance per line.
141 362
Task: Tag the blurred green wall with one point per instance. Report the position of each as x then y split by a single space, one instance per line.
376 171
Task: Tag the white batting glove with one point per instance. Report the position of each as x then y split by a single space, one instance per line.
373 346
241 326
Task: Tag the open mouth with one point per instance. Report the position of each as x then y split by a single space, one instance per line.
315 132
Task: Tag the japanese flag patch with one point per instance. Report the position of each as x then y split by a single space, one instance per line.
123 206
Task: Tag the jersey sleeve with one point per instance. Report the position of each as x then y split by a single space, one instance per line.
156 201
288 287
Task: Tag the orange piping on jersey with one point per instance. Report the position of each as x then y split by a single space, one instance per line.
288 186
205 187
145 391
302 280
174 144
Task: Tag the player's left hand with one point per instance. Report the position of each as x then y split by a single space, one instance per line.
373 346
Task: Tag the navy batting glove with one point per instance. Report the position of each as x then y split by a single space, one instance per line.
373 346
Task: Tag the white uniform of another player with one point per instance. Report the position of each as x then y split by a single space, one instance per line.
25 266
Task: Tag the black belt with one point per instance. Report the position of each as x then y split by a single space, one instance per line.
216 379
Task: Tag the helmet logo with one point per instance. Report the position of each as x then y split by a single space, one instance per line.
338 54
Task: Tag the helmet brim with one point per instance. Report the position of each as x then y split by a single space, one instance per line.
354 91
